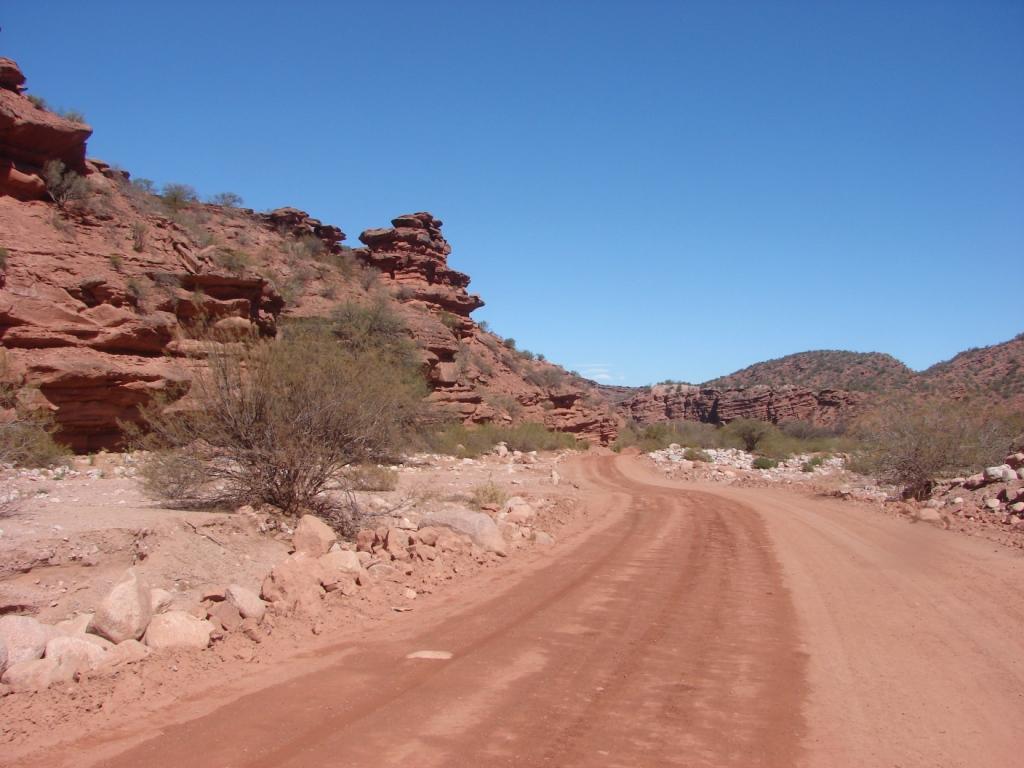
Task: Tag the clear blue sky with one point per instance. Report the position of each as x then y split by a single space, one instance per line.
640 190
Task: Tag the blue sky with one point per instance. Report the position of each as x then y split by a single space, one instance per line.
640 190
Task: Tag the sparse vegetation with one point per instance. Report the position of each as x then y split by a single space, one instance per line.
73 115
26 433
4 255
696 454
139 234
227 200
464 441
489 494
235 262
764 462
749 433
116 261
279 422
654 437
911 445
371 477
63 184
812 463
177 197
37 101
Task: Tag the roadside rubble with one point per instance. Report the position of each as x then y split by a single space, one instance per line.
411 541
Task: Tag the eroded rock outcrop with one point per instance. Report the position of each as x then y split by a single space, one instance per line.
31 136
671 402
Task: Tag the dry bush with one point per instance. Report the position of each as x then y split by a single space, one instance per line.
371 477
912 444
26 434
64 185
278 422
748 434
488 494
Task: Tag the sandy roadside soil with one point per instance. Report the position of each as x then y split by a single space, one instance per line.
671 625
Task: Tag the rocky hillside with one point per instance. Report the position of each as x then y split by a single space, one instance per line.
823 369
103 282
672 402
994 373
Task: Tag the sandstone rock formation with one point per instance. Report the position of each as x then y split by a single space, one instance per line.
100 301
670 402
30 136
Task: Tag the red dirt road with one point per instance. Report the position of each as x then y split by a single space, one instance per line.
711 627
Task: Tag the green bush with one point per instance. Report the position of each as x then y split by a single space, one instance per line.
812 463
695 454
748 434
227 200
763 462
655 437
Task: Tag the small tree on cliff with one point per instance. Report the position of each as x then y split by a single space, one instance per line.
63 184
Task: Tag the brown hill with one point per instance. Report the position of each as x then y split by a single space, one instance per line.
994 373
102 284
824 369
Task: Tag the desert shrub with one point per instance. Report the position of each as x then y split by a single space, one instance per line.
748 434
764 462
227 200
911 445
488 494
37 101
547 377
26 434
278 422
527 354
116 261
139 233
144 186
469 441
654 437
74 115
509 343
235 262
812 463
178 196
484 326
137 289
696 454
63 184
368 278
451 321
371 477
375 326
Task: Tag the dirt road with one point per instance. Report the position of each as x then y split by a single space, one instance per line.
713 627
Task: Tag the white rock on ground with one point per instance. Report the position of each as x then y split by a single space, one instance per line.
177 629
478 526
125 612
313 536
246 601
159 600
23 639
75 654
32 675
294 585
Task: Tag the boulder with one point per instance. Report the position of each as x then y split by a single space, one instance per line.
246 601
77 625
294 584
365 539
23 638
177 629
75 654
226 615
545 539
994 474
313 537
33 675
478 526
125 612
159 600
128 652
397 543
